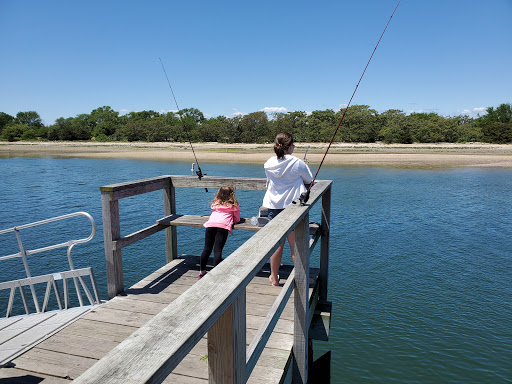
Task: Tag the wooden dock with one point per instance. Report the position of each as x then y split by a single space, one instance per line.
69 353
231 326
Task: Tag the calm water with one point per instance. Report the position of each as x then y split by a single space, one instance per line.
420 270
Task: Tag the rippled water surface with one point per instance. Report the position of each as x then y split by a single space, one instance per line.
420 260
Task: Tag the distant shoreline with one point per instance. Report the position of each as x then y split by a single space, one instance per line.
440 155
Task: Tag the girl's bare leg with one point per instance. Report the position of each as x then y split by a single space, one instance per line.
275 263
291 241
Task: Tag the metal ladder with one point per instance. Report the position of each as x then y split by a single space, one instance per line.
77 275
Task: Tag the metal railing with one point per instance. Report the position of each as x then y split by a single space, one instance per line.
75 274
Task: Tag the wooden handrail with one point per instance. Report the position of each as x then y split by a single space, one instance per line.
152 352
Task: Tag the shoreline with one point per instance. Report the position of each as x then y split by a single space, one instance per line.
437 155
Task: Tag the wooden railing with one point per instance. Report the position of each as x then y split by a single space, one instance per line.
152 352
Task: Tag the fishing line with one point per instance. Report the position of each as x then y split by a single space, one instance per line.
305 196
199 173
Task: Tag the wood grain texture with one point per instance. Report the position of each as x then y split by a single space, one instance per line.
152 352
91 338
301 304
226 345
112 232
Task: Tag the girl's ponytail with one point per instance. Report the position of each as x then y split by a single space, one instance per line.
282 143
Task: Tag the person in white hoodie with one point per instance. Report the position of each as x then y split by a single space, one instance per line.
286 176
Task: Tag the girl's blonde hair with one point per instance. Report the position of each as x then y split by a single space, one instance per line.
282 144
226 196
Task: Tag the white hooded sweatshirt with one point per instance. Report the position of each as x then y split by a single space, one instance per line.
285 181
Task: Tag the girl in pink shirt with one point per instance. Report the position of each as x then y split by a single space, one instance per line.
225 213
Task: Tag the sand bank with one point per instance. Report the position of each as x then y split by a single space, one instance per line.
342 154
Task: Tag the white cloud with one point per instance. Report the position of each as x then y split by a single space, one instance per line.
165 111
473 112
236 113
274 109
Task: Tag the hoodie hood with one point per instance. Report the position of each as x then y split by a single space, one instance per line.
279 167
285 181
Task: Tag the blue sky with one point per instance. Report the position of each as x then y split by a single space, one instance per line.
64 58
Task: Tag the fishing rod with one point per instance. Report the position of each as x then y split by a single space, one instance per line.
306 154
199 173
304 197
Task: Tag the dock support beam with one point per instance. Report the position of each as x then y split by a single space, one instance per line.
171 242
324 243
226 345
112 231
301 302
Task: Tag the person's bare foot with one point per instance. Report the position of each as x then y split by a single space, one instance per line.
273 282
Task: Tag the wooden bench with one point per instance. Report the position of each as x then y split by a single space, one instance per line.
198 221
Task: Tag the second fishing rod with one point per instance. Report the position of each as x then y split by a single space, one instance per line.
304 197
199 172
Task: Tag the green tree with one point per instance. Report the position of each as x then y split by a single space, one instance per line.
186 129
233 131
213 129
62 129
133 131
29 134
143 115
104 120
82 127
254 128
156 130
497 132
192 114
450 129
496 125
14 131
467 130
395 127
4 120
30 119
360 124
295 123
502 114
170 118
321 125
175 126
425 127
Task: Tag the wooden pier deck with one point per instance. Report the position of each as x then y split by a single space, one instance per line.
232 326
69 353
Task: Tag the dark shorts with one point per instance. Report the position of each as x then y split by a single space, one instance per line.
273 213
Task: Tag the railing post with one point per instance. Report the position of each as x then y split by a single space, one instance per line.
301 303
171 242
324 243
227 347
112 231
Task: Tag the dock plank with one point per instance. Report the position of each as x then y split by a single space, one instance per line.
30 330
74 349
20 376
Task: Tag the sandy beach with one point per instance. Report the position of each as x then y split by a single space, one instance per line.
340 154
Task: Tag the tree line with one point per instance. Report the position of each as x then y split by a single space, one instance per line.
361 124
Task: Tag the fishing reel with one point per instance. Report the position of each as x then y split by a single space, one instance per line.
303 198
199 174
